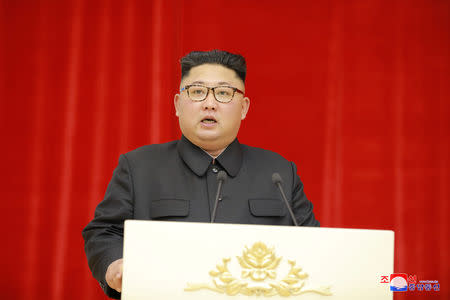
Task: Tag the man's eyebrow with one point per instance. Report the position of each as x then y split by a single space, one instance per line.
219 83
197 82
223 83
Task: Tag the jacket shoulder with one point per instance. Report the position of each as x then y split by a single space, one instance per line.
259 154
153 151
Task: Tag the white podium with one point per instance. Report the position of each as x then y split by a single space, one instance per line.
195 261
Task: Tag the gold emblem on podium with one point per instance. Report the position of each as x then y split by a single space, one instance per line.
258 276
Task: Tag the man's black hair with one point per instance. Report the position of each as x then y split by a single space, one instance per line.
229 60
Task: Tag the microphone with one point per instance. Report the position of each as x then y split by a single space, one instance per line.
276 179
220 178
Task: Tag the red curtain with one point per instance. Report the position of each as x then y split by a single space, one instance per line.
355 92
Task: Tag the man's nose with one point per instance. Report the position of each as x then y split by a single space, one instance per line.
210 102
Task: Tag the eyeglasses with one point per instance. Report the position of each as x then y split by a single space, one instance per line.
223 94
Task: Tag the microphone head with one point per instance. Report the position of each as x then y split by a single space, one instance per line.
221 176
276 178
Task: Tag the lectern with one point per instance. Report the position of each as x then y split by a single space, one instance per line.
194 261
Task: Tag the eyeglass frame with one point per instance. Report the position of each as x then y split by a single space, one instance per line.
186 87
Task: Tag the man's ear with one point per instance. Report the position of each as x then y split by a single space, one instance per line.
245 106
176 103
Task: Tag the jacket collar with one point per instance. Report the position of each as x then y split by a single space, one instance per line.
198 160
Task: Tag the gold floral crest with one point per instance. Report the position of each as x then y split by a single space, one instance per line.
258 276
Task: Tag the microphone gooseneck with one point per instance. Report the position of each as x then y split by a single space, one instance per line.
221 177
276 179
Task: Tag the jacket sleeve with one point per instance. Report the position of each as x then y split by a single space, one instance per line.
301 206
103 236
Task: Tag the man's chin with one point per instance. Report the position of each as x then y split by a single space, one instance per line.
209 137
208 134
211 140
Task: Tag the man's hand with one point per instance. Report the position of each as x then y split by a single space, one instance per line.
114 275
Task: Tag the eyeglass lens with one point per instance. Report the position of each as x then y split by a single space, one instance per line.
222 93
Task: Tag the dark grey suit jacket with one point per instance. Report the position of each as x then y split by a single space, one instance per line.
177 181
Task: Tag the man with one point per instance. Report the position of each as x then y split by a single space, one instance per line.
177 181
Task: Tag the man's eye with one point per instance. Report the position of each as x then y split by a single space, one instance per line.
197 91
224 92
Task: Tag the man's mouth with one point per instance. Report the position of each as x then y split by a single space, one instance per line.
209 121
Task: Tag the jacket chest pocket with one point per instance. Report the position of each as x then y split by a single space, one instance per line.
266 207
169 209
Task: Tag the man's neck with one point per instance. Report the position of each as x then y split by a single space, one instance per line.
215 153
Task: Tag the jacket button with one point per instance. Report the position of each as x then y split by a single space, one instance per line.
215 170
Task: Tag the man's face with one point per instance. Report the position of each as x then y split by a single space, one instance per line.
210 124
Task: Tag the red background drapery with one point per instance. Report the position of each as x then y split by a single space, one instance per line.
355 92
